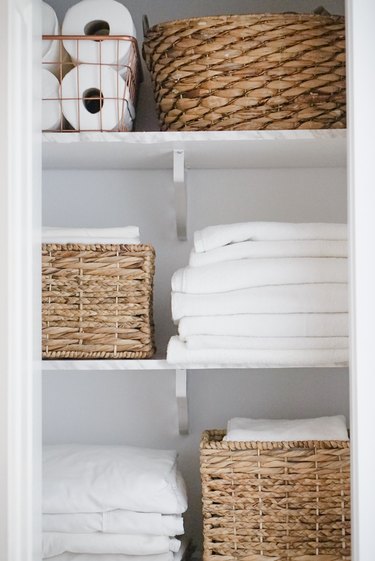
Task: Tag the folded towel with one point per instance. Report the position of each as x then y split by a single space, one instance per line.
284 299
279 430
56 543
88 478
274 249
179 355
267 325
248 273
169 556
221 235
201 342
125 235
115 522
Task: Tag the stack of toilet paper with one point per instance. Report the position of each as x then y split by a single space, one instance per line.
86 82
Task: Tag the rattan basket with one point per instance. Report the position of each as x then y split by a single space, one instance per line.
275 501
254 71
97 301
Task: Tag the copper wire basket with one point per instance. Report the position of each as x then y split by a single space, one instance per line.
81 102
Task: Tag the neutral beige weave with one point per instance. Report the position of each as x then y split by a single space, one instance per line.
97 301
254 71
275 501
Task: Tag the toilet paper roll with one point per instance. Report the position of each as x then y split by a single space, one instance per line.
98 17
96 98
53 51
51 106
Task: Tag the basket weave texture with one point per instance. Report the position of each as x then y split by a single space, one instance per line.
275 501
254 71
97 301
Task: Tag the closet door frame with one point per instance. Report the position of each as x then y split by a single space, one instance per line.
361 128
20 172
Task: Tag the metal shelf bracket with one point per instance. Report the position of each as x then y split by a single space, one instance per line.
182 401
180 193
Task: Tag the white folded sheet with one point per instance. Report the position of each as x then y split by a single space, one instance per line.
179 355
248 273
284 299
279 430
89 478
201 342
169 556
267 325
56 543
115 522
221 235
125 235
274 249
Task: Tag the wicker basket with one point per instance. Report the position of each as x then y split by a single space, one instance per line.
97 301
275 501
255 71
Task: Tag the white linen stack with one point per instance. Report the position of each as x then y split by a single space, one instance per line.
263 294
111 503
121 235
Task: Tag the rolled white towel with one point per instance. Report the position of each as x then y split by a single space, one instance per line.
121 235
201 342
284 299
56 543
179 355
267 325
89 478
279 430
218 236
115 522
263 249
248 273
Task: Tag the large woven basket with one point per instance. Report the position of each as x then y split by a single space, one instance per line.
254 71
275 501
97 301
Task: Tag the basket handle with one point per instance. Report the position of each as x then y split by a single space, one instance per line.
321 11
145 25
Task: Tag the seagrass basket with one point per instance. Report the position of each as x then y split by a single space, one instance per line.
275 501
253 71
97 301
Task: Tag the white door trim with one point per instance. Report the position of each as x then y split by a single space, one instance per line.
20 432
361 87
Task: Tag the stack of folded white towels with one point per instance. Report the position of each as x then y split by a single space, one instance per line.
263 294
111 503
121 235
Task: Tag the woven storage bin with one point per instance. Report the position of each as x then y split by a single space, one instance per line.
275 501
97 301
255 71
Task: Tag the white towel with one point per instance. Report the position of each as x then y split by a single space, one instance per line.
221 235
275 249
287 299
267 325
248 273
200 342
56 543
115 522
279 430
169 556
126 234
88 478
180 356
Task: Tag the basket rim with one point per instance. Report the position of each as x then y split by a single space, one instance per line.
255 16
208 443
130 248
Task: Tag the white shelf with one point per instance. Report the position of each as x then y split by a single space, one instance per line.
150 364
203 150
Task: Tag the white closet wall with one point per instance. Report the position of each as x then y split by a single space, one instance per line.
138 407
